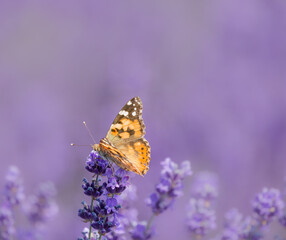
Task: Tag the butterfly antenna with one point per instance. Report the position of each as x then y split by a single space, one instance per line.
78 145
89 132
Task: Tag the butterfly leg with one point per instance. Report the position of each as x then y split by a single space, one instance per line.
110 162
112 168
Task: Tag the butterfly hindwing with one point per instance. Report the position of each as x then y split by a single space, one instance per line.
138 153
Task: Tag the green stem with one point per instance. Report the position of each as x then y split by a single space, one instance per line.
152 217
149 223
96 180
91 209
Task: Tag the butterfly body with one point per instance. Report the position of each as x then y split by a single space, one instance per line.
124 143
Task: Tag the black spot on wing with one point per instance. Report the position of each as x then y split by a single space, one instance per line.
131 132
120 130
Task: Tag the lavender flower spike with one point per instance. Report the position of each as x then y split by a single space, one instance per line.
14 191
282 219
233 225
41 207
201 218
7 229
96 164
170 186
167 190
128 215
267 205
205 186
250 229
106 185
141 232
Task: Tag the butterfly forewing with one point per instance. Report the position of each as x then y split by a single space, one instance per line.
128 124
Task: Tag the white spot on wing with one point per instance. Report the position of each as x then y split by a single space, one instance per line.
129 103
134 114
125 113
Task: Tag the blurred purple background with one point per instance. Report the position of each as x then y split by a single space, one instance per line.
211 75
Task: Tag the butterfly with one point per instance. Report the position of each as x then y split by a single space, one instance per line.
124 143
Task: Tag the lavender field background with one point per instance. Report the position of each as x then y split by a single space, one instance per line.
211 75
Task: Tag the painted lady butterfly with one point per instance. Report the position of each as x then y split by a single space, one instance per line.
124 143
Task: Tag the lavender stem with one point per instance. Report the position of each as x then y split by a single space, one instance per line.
149 223
91 208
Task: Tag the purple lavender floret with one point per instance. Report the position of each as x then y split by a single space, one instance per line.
106 207
158 203
13 191
118 181
200 217
140 232
96 164
93 189
103 224
7 229
85 212
105 215
85 232
41 207
170 186
268 204
111 205
116 185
